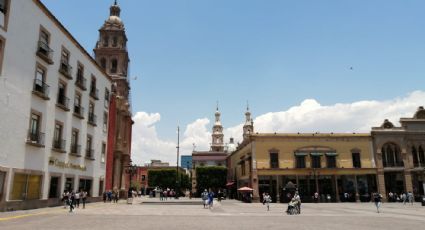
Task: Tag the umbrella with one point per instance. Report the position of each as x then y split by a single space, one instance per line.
245 189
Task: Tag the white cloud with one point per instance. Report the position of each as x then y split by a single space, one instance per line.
308 116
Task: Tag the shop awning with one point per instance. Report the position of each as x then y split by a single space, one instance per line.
230 183
301 154
245 189
316 154
332 154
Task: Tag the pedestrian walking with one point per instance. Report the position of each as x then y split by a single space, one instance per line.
204 197
266 200
410 197
71 201
77 199
84 198
211 198
377 198
404 198
65 198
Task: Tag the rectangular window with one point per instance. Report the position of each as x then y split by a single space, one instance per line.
80 71
40 80
243 168
62 99
102 158
331 161
107 98
54 187
44 50
44 37
26 187
356 160
274 160
64 58
105 121
2 182
300 162
57 136
89 151
315 162
75 148
35 124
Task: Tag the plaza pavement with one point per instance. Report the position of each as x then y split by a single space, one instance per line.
150 213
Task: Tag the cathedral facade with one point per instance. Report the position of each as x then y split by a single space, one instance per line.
112 55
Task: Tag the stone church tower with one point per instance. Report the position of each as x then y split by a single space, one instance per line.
217 144
112 55
248 127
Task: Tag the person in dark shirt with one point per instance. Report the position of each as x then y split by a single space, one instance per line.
377 198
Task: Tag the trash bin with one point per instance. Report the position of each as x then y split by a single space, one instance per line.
423 201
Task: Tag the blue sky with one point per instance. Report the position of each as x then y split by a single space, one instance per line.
187 54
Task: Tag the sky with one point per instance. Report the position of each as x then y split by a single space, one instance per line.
304 66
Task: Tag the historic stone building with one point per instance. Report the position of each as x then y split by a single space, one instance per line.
112 55
342 167
400 155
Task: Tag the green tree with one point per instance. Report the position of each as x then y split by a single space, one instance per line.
213 177
166 178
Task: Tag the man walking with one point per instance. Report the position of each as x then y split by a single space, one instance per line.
377 198
204 196
266 200
77 199
84 198
410 197
71 201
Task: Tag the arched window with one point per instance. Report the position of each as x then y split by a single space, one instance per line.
103 63
114 64
105 41
115 41
391 155
415 157
421 157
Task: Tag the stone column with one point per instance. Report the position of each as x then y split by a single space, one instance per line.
381 184
357 189
335 178
408 185
277 189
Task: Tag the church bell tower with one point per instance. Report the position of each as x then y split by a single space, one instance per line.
111 51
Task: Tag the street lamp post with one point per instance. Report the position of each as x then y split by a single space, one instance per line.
131 170
177 166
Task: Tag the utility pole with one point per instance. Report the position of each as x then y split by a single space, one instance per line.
177 166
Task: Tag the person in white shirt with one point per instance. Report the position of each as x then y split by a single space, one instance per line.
267 200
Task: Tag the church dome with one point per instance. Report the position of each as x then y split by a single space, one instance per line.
114 20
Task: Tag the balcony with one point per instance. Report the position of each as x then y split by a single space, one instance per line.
90 154
35 138
41 89
393 164
92 119
66 70
59 146
81 82
63 102
79 111
75 150
94 93
44 52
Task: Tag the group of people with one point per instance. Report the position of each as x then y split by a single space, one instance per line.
73 199
208 198
111 196
405 197
164 194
